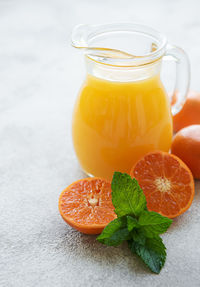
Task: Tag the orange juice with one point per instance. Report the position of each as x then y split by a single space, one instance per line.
115 123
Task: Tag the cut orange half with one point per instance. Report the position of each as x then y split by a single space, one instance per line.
166 181
87 205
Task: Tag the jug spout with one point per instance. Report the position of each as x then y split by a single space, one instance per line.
80 35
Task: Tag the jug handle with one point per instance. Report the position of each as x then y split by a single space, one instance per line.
182 76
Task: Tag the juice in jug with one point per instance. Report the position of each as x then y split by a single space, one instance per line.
115 123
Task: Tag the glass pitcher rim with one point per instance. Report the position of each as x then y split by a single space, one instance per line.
83 33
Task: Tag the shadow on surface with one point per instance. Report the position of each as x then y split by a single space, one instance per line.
85 247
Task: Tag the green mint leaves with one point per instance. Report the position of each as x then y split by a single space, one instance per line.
135 224
115 232
152 252
153 224
127 196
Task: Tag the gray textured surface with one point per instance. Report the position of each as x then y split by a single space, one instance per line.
40 75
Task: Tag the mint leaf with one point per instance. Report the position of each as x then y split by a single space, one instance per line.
131 245
138 236
131 222
116 238
153 223
127 196
114 233
152 253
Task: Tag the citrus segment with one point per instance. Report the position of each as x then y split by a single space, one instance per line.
166 182
87 205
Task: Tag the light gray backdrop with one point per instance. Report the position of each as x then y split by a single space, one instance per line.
40 75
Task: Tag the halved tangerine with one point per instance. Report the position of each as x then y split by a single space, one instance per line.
167 183
87 205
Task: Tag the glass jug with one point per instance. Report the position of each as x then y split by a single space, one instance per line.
123 111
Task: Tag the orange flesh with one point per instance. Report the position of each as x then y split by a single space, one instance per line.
87 205
167 183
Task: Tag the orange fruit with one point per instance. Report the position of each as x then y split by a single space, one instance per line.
87 205
166 182
186 145
189 114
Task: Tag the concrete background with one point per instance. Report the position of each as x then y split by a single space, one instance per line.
40 75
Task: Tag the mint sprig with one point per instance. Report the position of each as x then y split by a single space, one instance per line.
135 224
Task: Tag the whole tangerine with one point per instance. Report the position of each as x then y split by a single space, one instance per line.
189 114
186 145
